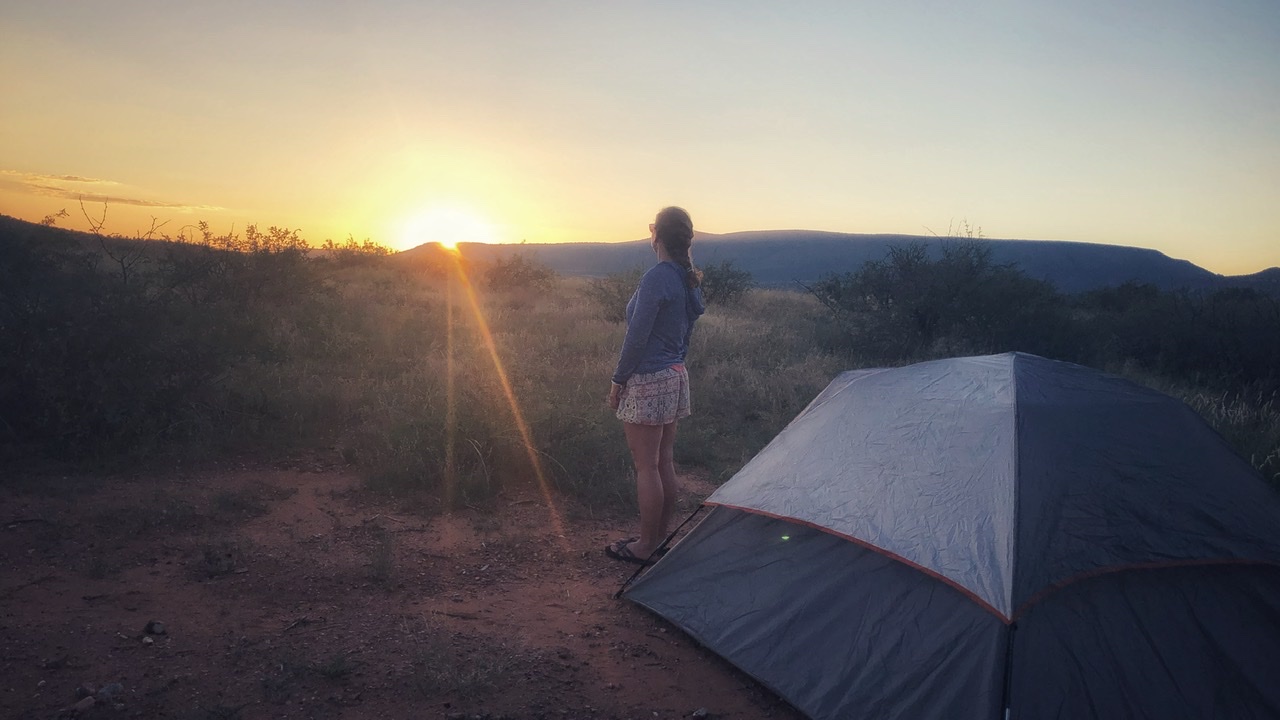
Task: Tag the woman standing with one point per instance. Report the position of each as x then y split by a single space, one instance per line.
650 384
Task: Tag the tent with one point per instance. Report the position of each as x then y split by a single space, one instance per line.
990 537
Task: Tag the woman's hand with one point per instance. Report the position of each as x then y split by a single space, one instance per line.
615 395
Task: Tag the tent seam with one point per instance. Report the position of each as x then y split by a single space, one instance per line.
1017 493
972 596
1052 589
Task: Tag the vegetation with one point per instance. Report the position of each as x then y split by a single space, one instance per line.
724 283
908 306
1218 351
610 294
436 376
519 273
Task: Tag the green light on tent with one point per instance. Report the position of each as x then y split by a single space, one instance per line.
786 537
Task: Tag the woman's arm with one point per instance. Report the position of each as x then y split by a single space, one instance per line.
639 326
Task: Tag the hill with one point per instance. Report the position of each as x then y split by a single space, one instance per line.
783 257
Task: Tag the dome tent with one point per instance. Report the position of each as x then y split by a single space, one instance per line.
988 537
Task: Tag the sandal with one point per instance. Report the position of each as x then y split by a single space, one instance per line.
620 551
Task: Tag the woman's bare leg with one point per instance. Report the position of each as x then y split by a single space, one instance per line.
667 471
645 442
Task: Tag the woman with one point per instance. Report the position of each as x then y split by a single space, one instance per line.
650 385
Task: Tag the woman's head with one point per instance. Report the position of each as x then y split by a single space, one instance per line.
674 229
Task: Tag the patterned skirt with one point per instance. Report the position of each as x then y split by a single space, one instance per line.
656 398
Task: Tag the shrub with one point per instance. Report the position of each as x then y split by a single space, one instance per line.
724 283
611 293
910 306
354 253
519 273
104 360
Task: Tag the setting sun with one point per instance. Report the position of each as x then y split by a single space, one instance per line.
447 226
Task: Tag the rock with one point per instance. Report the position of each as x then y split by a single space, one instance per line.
154 627
85 690
701 713
107 692
84 704
148 640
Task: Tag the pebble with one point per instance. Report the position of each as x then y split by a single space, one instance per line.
701 713
148 640
154 627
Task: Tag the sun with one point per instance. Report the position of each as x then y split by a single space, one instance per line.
447 226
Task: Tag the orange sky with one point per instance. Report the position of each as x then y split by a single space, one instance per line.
1150 124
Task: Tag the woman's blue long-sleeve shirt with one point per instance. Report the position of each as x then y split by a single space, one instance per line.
660 319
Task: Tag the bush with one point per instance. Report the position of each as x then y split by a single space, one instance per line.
354 253
910 306
118 352
611 293
519 273
724 283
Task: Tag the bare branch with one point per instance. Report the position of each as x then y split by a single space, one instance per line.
155 227
95 226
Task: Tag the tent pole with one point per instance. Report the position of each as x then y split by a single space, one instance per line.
1008 670
650 560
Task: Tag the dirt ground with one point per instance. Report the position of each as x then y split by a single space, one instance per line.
285 591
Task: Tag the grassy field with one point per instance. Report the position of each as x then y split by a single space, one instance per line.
436 376
441 382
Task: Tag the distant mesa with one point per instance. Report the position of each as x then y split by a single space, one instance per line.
781 258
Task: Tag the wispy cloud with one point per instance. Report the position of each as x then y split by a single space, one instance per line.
85 189
35 177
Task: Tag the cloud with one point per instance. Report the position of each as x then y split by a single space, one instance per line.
24 177
56 186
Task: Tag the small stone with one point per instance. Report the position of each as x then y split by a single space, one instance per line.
701 713
148 640
84 704
107 692
85 690
154 627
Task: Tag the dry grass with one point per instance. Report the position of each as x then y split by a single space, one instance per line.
433 385
379 384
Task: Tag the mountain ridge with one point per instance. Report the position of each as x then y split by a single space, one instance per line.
786 257
782 258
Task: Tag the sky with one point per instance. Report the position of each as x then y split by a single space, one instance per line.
1147 123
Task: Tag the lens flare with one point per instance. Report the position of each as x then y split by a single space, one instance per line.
451 406
535 461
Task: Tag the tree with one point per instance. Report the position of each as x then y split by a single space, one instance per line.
612 292
519 273
724 283
910 305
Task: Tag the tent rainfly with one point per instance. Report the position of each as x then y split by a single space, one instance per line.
990 537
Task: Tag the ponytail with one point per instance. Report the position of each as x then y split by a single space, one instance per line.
692 275
674 229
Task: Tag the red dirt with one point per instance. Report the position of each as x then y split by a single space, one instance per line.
289 592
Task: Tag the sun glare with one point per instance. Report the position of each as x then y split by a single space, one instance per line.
447 226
